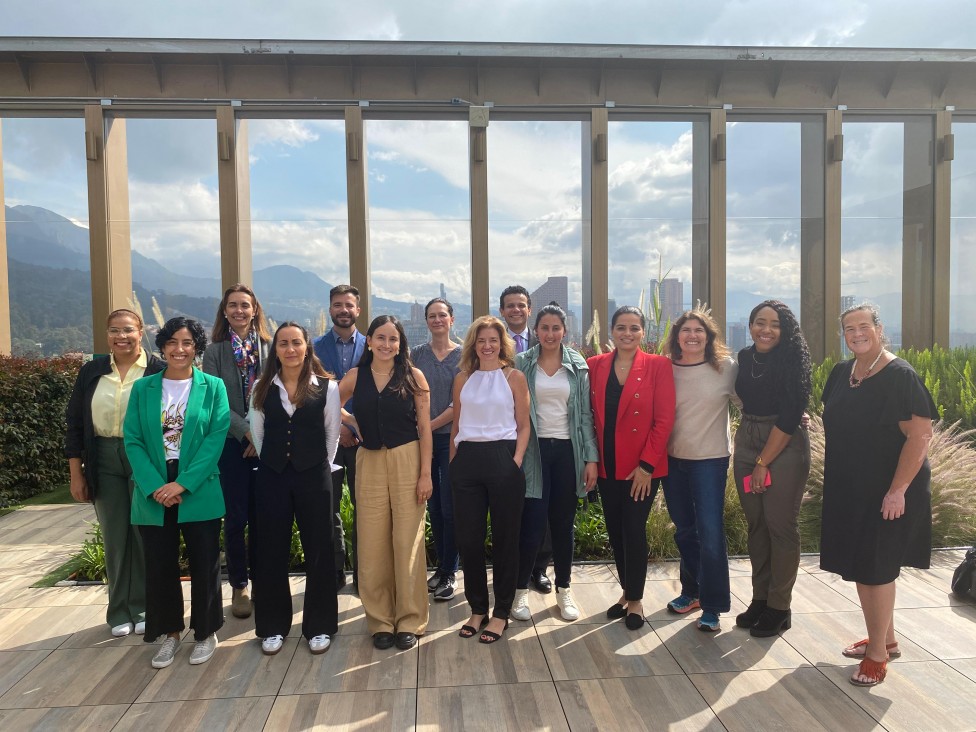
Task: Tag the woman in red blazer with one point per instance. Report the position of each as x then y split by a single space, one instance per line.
632 396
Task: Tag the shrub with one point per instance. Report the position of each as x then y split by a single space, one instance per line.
33 397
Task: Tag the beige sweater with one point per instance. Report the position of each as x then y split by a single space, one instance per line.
701 420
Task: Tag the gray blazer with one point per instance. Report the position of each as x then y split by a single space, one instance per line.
219 361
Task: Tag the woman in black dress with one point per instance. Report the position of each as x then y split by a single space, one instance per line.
877 516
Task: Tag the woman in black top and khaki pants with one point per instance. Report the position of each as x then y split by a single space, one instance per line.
392 484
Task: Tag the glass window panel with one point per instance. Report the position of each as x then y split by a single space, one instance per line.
419 220
651 218
299 216
535 226
763 220
46 199
962 266
871 218
174 217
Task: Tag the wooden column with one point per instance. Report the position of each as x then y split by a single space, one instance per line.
4 281
108 219
234 183
478 186
716 293
943 213
596 191
812 254
918 246
833 169
358 202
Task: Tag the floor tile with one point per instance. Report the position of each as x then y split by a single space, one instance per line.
592 598
731 649
57 596
638 703
83 676
225 715
965 666
23 629
911 591
798 699
351 664
15 665
237 669
447 660
947 633
352 710
810 595
605 651
78 719
583 573
928 695
526 706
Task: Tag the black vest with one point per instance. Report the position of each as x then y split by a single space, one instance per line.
385 419
298 439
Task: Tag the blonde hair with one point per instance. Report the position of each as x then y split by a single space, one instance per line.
469 358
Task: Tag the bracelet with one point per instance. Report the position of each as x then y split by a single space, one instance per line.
759 461
643 472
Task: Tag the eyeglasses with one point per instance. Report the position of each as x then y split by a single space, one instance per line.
128 330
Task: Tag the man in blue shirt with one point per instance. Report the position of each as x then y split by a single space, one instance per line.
339 350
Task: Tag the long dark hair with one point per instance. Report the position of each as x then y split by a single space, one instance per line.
715 348
311 365
221 328
790 360
403 382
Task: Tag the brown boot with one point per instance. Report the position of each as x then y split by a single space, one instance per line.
240 603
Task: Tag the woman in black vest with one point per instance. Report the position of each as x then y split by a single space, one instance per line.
295 422
392 484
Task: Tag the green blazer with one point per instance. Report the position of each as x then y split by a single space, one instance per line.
204 431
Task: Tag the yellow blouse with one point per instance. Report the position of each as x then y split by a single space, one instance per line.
111 397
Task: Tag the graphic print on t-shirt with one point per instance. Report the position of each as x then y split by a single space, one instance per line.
176 394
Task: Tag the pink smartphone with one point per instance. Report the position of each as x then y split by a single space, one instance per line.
747 482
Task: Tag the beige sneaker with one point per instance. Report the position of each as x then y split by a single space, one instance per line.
240 603
567 606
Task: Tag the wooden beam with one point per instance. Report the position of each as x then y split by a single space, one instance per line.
833 175
23 66
596 226
941 311
158 68
234 197
716 221
478 192
92 68
357 196
5 337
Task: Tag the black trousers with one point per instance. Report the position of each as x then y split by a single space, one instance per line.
485 479
237 475
306 498
627 529
346 460
164 593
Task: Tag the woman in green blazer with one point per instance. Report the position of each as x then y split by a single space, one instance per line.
175 429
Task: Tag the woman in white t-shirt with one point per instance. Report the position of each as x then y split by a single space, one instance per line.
698 463
488 442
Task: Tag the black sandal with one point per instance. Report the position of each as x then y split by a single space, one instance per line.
489 636
469 632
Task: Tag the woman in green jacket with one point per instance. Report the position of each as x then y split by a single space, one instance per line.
561 460
175 429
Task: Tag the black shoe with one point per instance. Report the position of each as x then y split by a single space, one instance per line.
435 579
771 622
382 641
541 583
751 615
616 611
405 641
340 580
634 621
445 589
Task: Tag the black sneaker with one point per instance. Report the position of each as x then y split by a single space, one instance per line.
434 582
445 590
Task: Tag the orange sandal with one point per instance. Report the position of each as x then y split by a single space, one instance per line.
857 650
874 670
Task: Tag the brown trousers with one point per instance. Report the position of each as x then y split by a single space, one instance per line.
390 530
774 534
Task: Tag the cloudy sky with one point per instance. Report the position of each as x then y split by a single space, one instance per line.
418 175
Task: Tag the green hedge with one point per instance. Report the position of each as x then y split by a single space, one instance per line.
33 396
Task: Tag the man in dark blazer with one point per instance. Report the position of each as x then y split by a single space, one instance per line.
515 307
339 350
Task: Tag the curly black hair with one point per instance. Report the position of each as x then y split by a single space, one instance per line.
790 360
179 323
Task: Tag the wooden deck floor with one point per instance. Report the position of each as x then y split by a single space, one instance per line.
60 669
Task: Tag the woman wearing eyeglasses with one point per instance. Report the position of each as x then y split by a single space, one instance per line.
100 470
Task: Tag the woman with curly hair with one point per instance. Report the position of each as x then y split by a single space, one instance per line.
772 460
175 428
698 463
393 484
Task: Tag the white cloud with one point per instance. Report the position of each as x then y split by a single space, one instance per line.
290 132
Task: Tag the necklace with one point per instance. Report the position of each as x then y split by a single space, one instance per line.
757 362
381 373
857 382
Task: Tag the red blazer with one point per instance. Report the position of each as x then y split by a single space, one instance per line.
645 415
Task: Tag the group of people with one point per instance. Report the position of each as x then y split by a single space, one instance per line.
513 424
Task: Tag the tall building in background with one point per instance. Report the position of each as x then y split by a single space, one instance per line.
672 293
416 311
736 340
553 289
443 291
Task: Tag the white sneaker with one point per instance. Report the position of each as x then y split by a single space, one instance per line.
166 653
203 651
319 644
121 631
520 609
272 644
141 627
567 606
